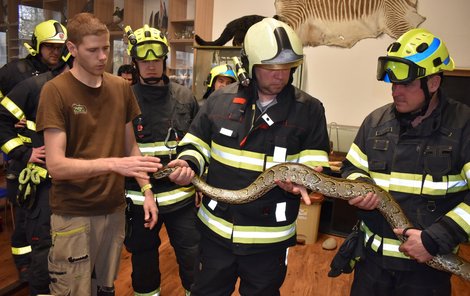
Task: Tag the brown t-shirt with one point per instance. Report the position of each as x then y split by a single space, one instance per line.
94 121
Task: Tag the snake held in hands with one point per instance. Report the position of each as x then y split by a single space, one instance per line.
328 186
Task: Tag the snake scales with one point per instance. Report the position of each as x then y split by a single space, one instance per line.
328 186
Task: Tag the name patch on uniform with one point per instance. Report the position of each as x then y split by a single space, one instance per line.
279 154
267 119
212 204
281 212
226 132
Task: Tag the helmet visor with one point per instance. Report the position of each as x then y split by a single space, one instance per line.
150 51
398 70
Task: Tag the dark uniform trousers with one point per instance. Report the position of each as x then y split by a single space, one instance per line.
372 280
261 274
38 232
18 237
33 229
144 243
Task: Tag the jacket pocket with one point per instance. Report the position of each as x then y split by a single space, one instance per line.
437 161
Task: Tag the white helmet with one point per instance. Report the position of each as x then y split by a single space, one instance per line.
271 44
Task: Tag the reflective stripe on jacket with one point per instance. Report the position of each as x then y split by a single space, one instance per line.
426 169
163 107
237 142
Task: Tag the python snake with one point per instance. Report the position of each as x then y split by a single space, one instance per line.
328 186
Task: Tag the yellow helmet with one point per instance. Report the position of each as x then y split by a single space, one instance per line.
220 70
50 31
272 44
147 43
415 54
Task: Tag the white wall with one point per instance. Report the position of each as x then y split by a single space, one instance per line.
344 79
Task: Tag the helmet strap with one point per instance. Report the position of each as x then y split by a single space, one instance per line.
427 95
208 92
291 77
153 80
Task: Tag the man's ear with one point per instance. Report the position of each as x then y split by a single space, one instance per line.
72 48
434 82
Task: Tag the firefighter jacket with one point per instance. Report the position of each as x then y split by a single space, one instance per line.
427 171
21 102
167 112
237 142
18 70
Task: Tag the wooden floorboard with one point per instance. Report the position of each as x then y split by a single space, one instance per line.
308 266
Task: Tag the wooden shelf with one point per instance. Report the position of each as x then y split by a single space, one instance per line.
183 18
183 41
116 33
33 3
460 72
183 15
183 22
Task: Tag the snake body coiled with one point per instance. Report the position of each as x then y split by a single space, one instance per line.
331 187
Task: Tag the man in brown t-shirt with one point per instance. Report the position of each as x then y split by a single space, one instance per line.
86 115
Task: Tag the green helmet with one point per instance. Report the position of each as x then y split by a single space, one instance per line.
415 54
147 44
50 31
221 70
271 44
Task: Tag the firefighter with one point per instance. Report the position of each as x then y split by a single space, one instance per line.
26 149
418 149
44 54
167 111
127 72
219 76
44 51
239 132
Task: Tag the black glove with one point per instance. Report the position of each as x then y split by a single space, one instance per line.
350 252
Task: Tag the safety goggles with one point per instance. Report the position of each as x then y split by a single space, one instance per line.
144 51
398 70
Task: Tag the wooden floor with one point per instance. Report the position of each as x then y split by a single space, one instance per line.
308 266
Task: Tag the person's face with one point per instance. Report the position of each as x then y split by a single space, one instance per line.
222 81
410 97
50 53
149 69
270 81
127 76
92 54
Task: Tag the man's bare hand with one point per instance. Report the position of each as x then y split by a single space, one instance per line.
294 189
297 189
137 166
38 155
413 246
365 202
183 175
150 211
21 123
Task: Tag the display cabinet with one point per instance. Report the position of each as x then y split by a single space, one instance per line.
207 57
186 17
61 10
19 18
456 84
